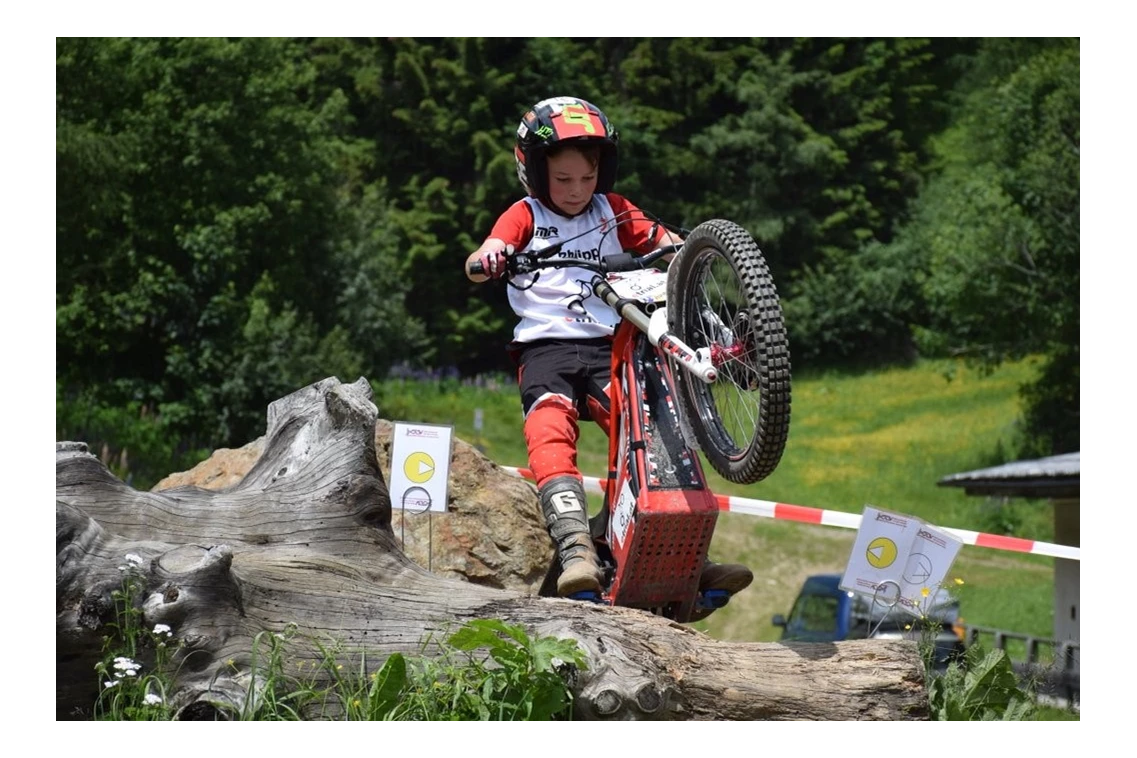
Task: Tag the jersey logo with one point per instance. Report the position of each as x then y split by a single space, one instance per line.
575 303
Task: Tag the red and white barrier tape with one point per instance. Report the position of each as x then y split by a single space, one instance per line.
805 514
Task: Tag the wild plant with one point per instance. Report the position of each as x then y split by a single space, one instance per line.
520 678
134 674
981 687
975 686
487 670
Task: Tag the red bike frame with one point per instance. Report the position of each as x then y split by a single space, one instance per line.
660 513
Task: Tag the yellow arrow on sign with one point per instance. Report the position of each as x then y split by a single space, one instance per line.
881 552
418 467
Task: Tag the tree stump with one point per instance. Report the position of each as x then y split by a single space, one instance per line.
305 538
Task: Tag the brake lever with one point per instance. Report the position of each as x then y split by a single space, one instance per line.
522 263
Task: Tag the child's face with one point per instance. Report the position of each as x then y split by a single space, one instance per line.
572 180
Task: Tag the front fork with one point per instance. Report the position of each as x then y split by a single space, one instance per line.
699 362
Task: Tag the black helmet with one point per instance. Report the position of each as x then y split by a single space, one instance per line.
559 121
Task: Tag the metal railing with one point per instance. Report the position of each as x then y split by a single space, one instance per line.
1050 666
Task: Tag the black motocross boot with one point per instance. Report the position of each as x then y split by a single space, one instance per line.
566 517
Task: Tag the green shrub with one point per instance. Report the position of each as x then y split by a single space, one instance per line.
982 687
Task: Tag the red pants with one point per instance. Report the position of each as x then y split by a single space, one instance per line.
561 382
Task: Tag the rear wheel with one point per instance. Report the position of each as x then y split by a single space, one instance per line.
720 297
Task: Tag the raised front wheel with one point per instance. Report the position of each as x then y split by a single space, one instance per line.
720 297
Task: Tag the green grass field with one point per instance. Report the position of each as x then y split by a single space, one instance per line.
882 438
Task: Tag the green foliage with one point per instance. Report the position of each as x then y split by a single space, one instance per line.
1002 517
985 261
855 310
210 202
1051 415
439 115
1054 713
133 439
999 226
822 151
982 688
522 679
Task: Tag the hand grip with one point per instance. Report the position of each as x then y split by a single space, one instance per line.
476 268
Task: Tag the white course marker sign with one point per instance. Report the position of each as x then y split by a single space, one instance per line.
899 560
420 467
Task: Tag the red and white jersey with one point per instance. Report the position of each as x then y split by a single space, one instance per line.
560 304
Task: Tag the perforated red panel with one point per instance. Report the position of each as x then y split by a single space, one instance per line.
667 557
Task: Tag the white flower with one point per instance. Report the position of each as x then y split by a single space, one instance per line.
162 629
134 558
152 699
126 665
110 684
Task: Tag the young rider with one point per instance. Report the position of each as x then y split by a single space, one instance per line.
566 154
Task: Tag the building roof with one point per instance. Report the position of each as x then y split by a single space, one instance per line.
1053 477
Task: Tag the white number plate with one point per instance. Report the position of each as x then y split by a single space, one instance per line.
646 286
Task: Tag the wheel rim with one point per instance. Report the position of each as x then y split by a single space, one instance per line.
720 317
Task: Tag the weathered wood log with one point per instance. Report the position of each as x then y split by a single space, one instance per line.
305 538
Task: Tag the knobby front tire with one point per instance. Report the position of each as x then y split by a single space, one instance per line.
720 296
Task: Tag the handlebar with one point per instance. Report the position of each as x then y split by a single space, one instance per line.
528 262
650 321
